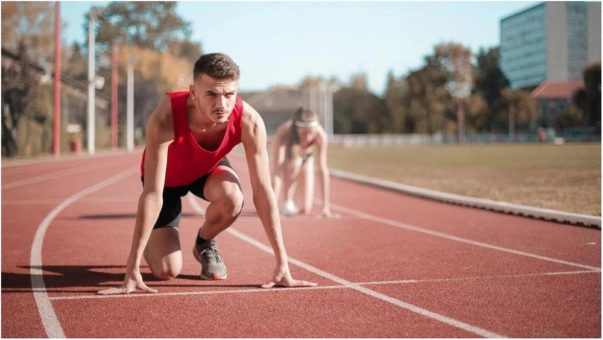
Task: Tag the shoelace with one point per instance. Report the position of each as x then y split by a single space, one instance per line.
208 253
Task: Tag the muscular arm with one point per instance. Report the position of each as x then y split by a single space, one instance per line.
253 137
254 141
159 136
323 173
278 158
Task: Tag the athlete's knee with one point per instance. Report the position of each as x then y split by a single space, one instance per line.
232 204
167 272
237 201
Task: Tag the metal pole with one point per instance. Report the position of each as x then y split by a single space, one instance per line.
329 128
91 92
130 109
114 97
56 146
323 102
511 123
460 117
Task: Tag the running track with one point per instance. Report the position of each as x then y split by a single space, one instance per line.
391 266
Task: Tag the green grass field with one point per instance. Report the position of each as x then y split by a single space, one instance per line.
562 177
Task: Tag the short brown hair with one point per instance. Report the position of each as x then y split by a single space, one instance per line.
217 66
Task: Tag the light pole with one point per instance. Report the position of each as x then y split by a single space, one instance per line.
114 95
56 146
91 126
130 105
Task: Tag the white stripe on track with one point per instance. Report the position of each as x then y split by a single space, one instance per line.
472 278
372 283
49 319
357 287
41 178
121 200
210 292
405 226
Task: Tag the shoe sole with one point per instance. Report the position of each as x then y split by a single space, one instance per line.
216 277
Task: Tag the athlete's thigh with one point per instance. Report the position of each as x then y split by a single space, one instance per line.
222 181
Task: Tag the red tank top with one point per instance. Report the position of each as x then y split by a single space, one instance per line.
187 160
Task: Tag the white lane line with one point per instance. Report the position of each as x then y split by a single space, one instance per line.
405 226
121 199
37 179
280 290
475 278
355 286
49 319
209 292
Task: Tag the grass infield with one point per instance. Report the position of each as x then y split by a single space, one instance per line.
561 177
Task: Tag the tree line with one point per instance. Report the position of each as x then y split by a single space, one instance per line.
427 100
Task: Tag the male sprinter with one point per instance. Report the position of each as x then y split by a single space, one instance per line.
188 136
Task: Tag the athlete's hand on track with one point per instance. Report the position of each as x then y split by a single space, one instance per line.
282 278
132 282
326 213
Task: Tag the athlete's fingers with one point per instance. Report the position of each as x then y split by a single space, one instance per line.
269 284
146 288
302 283
113 291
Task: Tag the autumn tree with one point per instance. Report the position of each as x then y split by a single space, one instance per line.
27 43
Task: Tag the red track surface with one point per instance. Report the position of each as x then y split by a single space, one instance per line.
391 266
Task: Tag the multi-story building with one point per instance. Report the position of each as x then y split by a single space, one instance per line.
551 41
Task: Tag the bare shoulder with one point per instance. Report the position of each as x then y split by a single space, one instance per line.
160 123
322 135
251 119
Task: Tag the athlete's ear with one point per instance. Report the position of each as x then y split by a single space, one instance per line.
192 89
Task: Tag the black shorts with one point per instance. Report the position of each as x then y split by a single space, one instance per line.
172 202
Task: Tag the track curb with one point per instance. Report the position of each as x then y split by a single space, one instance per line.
473 202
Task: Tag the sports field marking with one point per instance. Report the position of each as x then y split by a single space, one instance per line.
208 292
475 278
49 319
409 227
357 287
37 179
280 290
120 199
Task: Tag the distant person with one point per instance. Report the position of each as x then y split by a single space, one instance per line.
188 136
296 143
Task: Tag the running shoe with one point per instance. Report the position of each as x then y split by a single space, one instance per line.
290 209
212 264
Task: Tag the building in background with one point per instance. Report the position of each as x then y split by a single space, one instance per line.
551 41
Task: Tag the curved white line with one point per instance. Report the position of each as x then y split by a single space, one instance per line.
51 324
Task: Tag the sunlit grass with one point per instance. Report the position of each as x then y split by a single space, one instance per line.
562 177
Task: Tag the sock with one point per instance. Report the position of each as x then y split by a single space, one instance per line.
200 241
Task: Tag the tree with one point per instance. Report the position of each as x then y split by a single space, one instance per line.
357 110
396 114
588 99
521 108
30 24
150 25
27 36
489 83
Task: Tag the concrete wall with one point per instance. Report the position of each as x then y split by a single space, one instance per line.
556 38
594 32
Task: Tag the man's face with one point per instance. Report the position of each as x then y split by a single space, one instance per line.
214 98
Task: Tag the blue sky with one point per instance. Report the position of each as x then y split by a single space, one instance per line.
281 42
